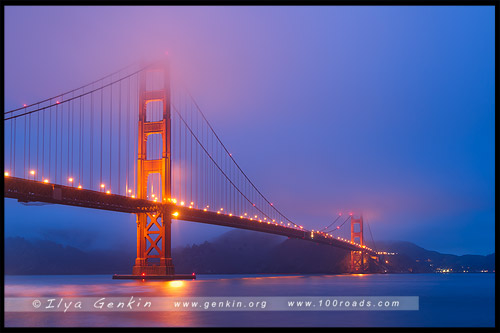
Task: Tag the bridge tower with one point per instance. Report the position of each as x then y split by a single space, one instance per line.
359 259
154 229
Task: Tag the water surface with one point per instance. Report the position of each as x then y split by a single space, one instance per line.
459 300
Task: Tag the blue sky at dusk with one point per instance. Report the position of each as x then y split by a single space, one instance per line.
383 111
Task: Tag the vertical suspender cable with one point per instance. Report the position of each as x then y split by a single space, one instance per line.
80 154
72 137
55 155
11 145
29 142
110 134
191 155
101 162
373 242
14 144
61 139
119 135
67 139
185 156
82 163
197 168
24 141
37 140
179 163
43 144
50 142
127 161
91 150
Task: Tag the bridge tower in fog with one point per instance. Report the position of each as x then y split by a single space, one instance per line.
154 228
359 259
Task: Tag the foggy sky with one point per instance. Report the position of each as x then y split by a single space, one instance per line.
383 111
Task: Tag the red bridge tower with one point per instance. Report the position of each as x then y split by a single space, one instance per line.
359 259
154 229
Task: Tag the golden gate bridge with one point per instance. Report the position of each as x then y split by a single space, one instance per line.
133 142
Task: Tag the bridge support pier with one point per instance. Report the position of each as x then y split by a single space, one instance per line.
359 262
153 245
154 258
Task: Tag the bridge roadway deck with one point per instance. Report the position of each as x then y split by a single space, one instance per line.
35 191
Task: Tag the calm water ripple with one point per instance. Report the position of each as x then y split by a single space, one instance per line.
458 300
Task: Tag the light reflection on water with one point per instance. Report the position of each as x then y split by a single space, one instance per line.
445 299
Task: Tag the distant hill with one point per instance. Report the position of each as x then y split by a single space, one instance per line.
244 252
235 252
39 257
413 258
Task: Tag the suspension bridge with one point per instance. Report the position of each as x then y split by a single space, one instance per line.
133 142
